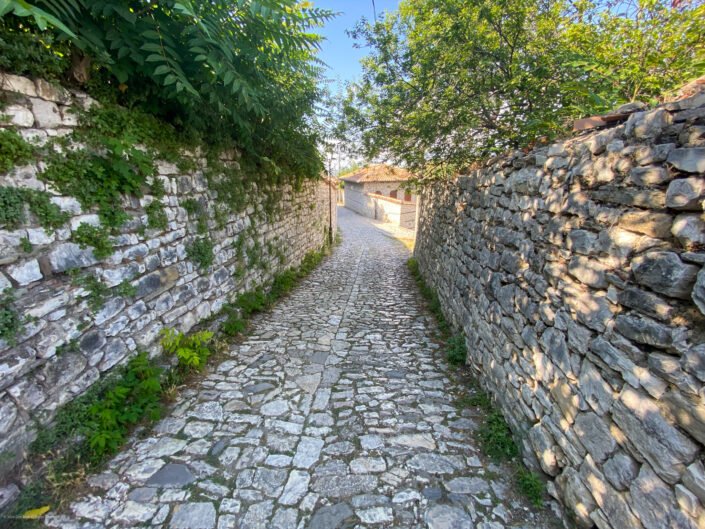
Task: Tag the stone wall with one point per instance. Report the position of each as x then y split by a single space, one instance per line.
65 346
576 273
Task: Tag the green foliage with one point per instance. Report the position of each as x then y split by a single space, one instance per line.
14 150
12 203
253 302
496 437
47 213
97 237
99 292
531 486
196 210
134 398
25 245
233 325
11 323
191 351
156 215
509 72
456 352
24 50
238 70
200 251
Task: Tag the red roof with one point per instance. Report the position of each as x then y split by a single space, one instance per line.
378 173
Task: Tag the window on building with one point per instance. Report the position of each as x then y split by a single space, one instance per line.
393 193
407 197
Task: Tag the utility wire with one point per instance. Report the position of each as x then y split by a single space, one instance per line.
374 10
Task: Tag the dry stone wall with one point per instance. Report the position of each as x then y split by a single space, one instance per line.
576 273
65 346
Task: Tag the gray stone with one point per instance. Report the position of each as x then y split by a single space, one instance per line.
694 479
295 488
367 465
582 241
621 470
654 503
8 494
331 517
646 303
648 176
135 513
689 229
659 442
651 223
577 497
376 515
46 113
68 256
686 193
698 294
25 273
588 271
447 517
555 346
433 464
646 331
18 115
595 436
665 273
472 485
689 160
275 408
257 516
173 475
341 486
308 452
199 515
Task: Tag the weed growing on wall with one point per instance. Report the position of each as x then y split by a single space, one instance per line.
200 251
97 237
13 202
11 323
99 292
14 150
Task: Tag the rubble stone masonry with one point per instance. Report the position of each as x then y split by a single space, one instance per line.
576 273
65 347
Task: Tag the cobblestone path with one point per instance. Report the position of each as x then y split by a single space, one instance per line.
336 412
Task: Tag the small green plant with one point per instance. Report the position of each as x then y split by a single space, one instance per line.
191 351
97 237
11 323
233 325
98 292
12 208
25 245
252 302
126 290
531 486
200 251
14 150
156 215
194 208
456 352
496 437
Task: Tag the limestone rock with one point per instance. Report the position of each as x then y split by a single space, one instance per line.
689 160
665 273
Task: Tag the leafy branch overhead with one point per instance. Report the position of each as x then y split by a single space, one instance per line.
449 82
242 71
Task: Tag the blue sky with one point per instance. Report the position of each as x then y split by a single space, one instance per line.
338 51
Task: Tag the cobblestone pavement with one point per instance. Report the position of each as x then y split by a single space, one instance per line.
336 412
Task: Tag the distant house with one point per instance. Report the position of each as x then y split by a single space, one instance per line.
377 191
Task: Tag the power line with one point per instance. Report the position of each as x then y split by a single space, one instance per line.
374 10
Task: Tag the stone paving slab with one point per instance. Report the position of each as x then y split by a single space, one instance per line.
336 412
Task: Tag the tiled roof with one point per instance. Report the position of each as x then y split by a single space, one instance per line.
378 173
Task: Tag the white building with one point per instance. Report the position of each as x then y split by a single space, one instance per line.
377 191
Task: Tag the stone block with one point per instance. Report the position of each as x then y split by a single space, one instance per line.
25 272
686 194
576 497
664 272
596 392
689 229
698 294
688 411
621 470
544 448
595 435
51 92
46 113
69 255
688 160
654 503
651 223
694 479
18 116
588 271
649 124
659 442
646 331
648 176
